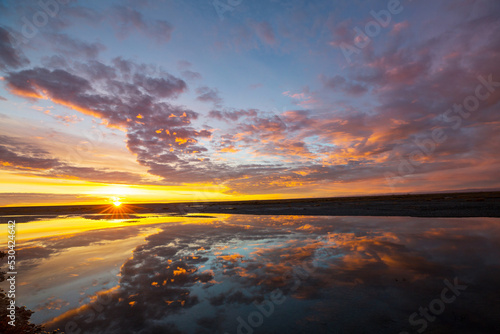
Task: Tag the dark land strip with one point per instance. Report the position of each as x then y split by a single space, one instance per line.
475 204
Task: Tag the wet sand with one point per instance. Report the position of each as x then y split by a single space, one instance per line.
476 204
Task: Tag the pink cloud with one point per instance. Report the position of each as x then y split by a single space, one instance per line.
264 31
398 27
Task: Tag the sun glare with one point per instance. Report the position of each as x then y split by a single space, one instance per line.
116 209
116 201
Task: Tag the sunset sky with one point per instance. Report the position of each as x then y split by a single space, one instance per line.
158 101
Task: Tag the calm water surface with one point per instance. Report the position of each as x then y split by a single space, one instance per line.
259 274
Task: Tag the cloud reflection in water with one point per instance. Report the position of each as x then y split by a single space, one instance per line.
335 274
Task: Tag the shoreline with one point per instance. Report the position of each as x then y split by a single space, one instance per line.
476 204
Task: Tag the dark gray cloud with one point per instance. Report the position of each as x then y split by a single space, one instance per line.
207 94
10 57
232 115
166 87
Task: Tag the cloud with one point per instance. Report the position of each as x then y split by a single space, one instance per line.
340 84
31 157
73 47
231 115
305 98
66 119
191 75
126 19
31 83
10 57
167 86
78 12
23 157
92 69
52 303
78 92
21 199
398 27
207 94
55 62
383 109
185 67
264 31
342 32
129 97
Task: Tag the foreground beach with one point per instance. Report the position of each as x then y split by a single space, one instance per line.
476 204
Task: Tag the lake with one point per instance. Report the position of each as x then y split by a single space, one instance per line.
148 273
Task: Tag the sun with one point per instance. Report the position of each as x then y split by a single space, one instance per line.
115 209
116 201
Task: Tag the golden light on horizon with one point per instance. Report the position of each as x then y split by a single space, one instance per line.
116 190
51 191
